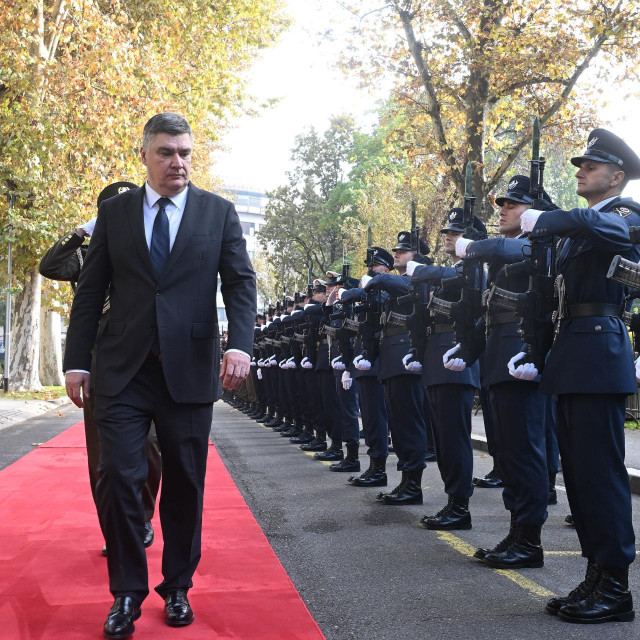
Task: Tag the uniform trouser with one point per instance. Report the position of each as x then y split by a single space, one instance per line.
489 422
330 406
260 388
152 449
551 434
309 398
431 443
405 396
267 376
348 401
290 380
591 440
450 406
373 410
519 413
283 394
183 432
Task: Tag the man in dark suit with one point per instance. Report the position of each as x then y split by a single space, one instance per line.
159 249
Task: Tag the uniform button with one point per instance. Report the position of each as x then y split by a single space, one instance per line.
597 327
158 292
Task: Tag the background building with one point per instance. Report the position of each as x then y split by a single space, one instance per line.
250 205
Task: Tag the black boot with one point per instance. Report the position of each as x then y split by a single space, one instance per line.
481 552
315 445
553 495
569 520
274 421
455 516
374 476
303 438
284 425
266 415
293 431
351 462
609 601
408 491
580 592
524 551
332 454
491 481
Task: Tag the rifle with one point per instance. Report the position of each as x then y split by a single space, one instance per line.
418 322
464 313
539 262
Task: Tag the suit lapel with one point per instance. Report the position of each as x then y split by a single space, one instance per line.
135 214
188 226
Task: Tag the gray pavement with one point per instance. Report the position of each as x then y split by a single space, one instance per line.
13 411
367 571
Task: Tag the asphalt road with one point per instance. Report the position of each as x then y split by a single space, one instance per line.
367 571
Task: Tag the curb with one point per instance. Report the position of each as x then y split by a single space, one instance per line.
480 444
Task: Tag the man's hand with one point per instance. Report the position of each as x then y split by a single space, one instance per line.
74 383
234 369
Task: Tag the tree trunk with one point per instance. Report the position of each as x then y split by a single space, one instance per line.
51 348
25 343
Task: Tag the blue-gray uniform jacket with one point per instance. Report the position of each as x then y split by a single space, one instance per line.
439 343
591 354
395 343
359 295
502 341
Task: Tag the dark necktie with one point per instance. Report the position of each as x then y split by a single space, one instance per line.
160 237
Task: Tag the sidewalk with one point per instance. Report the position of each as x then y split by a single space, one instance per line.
13 411
632 447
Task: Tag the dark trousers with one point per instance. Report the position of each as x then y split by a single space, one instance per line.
183 433
348 401
591 440
405 396
373 410
152 450
519 413
551 436
309 398
431 442
450 406
330 407
489 427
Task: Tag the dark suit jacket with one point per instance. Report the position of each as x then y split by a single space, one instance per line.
179 304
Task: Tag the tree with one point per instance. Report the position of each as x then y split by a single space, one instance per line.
304 217
78 79
471 74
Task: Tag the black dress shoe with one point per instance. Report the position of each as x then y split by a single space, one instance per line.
148 534
491 481
177 609
119 623
580 592
569 520
610 601
525 551
455 516
315 445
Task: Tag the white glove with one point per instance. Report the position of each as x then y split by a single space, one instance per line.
347 381
411 267
361 364
290 363
525 371
89 226
528 219
337 364
261 362
259 374
281 364
333 296
364 281
253 362
305 363
453 364
461 246
272 362
414 365
638 368
340 292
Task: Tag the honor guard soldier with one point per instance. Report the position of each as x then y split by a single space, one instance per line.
590 370
404 393
449 393
518 409
371 394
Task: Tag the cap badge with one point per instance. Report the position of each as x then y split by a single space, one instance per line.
592 142
375 252
512 185
452 215
123 189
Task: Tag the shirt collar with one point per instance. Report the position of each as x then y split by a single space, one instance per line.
152 197
603 203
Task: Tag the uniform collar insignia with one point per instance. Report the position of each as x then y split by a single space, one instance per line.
622 211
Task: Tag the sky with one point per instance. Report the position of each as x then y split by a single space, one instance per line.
299 72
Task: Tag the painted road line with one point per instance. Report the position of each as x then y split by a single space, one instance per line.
467 550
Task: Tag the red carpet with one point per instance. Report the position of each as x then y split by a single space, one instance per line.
53 580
